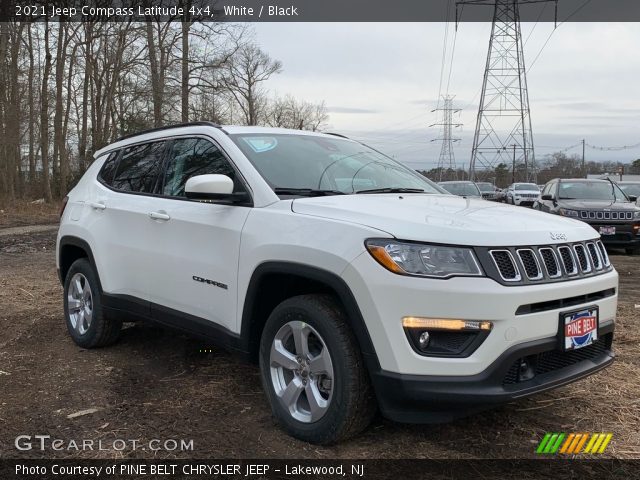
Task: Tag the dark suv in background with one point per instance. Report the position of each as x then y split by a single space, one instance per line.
601 204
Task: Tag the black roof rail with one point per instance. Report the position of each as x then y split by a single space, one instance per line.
167 127
336 135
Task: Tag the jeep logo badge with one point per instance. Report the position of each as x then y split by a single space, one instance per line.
558 236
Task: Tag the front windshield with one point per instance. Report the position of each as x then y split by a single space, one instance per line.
590 191
485 187
527 187
462 189
290 161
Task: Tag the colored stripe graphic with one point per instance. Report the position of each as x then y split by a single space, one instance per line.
569 444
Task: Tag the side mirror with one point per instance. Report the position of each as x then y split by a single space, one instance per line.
213 187
633 198
547 197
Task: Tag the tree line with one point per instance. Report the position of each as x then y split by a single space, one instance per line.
556 165
69 88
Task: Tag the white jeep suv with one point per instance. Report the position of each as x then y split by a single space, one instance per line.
354 282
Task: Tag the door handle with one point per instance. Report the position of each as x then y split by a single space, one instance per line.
97 205
159 216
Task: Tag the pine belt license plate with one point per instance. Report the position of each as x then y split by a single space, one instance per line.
579 329
607 230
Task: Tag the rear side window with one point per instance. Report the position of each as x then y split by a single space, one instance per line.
139 167
108 170
189 157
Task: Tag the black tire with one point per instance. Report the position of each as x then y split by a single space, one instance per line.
102 330
352 404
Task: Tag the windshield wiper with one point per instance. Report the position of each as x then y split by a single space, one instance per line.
392 190
567 198
306 192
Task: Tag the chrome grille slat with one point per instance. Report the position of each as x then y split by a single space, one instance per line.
603 253
583 258
506 265
596 261
604 215
530 263
568 261
550 261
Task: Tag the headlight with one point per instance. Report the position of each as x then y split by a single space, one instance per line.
568 213
636 215
424 260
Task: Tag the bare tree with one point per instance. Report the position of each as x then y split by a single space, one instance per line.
288 112
244 76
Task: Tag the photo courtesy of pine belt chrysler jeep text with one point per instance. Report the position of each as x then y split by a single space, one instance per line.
356 283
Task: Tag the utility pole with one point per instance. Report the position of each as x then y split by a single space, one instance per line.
504 117
584 170
447 161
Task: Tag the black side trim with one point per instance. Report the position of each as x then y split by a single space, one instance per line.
133 308
334 282
564 302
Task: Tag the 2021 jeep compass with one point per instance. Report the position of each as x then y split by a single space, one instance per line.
351 279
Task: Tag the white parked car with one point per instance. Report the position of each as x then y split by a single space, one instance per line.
353 281
523 194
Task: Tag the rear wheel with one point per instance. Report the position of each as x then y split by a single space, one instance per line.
86 321
312 371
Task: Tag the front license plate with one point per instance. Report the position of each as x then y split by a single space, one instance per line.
607 230
579 329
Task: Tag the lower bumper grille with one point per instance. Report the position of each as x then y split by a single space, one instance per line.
527 368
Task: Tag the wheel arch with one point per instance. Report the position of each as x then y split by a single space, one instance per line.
70 249
273 282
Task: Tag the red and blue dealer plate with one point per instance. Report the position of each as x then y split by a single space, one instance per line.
580 328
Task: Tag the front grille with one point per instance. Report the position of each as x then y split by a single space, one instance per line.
553 360
605 215
545 263
527 195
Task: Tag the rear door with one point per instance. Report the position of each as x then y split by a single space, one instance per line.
120 225
195 248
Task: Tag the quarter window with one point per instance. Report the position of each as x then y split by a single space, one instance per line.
108 169
194 156
139 167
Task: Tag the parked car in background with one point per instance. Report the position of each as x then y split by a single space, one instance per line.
462 189
501 195
630 188
600 203
488 190
523 194
540 187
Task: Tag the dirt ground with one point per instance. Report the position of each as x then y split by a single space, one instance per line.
155 384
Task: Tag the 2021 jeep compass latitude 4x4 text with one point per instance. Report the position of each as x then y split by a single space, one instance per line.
354 282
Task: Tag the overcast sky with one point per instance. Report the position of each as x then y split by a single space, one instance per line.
380 82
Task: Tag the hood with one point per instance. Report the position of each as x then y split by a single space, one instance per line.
447 219
527 192
597 204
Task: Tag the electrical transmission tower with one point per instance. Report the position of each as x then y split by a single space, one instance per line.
447 160
503 129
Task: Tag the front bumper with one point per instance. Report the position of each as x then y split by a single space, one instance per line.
436 398
625 236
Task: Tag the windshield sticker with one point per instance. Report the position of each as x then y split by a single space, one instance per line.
261 144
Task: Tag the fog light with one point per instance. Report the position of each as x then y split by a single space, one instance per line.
424 340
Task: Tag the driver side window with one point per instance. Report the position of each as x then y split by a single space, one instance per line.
189 157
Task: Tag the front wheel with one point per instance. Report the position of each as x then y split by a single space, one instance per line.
312 371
